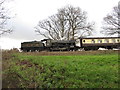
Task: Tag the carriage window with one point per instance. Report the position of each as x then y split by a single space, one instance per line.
113 40
118 41
99 41
83 40
106 41
93 41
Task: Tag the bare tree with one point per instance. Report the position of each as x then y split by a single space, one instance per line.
112 22
77 22
69 23
3 18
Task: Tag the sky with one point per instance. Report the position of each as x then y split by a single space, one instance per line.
27 13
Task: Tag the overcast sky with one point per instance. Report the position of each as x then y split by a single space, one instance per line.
27 13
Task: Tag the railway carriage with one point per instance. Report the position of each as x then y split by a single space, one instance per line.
94 43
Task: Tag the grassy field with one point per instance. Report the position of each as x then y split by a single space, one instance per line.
91 69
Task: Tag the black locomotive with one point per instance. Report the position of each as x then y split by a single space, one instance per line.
49 45
71 45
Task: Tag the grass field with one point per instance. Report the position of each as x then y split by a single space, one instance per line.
98 69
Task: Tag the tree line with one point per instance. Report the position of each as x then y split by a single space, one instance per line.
68 23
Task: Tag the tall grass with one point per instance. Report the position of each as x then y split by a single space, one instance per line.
78 71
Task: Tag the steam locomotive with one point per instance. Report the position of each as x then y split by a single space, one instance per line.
49 45
71 45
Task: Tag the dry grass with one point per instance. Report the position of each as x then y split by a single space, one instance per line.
72 52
